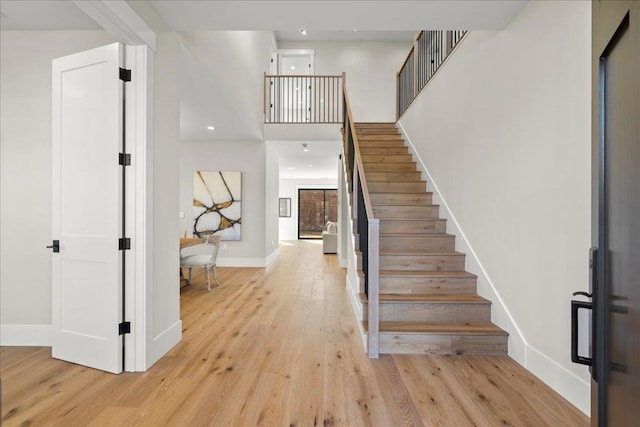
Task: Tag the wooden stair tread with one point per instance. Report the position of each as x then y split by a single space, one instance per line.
433 298
466 328
427 274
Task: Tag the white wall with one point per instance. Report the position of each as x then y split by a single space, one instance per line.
162 309
250 159
371 73
25 175
237 61
289 188
272 175
504 131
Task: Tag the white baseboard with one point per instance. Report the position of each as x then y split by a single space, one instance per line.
356 305
570 386
25 335
163 342
241 262
271 258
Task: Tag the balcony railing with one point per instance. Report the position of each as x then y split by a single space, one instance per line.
303 99
428 52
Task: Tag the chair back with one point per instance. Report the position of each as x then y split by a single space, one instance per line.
209 248
213 240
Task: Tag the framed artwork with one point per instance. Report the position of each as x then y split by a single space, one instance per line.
284 207
217 204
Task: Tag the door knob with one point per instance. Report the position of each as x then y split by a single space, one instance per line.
55 246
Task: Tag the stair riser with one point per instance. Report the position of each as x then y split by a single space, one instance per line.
443 344
377 131
379 137
389 167
399 226
401 199
391 158
444 242
422 262
397 187
399 211
432 312
440 286
384 150
363 125
380 143
393 176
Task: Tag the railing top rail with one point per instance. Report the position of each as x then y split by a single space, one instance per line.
358 158
408 56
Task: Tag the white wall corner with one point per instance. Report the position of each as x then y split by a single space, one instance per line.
25 335
272 257
163 342
119 20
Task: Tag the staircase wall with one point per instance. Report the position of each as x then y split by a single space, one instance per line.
503 131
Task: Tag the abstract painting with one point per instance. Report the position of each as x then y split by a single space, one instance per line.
217 198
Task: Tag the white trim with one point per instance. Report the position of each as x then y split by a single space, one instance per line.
242 262
272 258
357 311
25 335
570 386
120 20
163 342
139 122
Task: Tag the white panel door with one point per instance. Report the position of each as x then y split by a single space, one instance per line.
87 208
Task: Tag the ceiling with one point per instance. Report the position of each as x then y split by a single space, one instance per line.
328 20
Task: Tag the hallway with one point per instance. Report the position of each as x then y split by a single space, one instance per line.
278 346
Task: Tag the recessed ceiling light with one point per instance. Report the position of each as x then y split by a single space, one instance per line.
304 147
354 30
309 166
303 32
211 127
293 67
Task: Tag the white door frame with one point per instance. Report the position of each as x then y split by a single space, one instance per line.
139 200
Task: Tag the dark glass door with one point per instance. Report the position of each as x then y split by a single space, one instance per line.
617 292
316 207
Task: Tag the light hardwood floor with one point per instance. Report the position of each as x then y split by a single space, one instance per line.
278 346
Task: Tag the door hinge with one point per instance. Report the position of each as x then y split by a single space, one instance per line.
125 75
124 159
124 244
124 328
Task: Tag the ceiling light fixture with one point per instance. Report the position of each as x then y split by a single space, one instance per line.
293 67
211 127
304 147
303 32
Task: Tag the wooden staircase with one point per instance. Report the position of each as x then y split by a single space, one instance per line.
428 302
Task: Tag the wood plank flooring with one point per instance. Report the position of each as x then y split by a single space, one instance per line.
278 346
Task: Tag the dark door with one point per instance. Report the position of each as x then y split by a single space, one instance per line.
617 293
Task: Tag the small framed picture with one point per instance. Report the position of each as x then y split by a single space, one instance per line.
284 207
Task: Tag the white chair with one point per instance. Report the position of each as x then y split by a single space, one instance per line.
203 255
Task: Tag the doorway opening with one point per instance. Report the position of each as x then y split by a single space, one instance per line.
316 207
